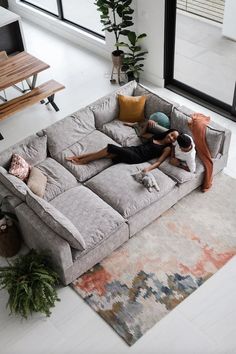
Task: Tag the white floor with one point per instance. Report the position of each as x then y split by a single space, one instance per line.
203 323
204 59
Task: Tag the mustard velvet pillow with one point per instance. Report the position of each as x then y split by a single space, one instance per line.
131 108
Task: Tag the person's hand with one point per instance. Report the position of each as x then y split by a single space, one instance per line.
151 124
174 161
146 170
73 159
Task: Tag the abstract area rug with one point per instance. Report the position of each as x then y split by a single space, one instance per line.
154 271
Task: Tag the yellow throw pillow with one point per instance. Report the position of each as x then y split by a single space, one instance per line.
131 108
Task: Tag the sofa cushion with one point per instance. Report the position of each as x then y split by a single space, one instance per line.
131 109
178 174
214 140
179 120
37 182
154 103
94 219
106 108
119 189
69 130
56 221
122 134
59 179
93 142
19 167
33 149
14 184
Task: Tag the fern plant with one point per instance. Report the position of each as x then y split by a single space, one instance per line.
31 284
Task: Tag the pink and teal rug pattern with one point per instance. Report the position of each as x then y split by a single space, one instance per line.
148 276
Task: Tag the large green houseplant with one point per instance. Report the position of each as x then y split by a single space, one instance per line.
134 57
30 283
115 15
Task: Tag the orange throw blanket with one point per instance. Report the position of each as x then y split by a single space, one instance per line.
198 124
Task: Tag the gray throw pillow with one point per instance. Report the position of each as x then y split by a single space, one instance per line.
214 140
14 184
56 221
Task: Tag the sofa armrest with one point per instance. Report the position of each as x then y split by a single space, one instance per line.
226 142
39 236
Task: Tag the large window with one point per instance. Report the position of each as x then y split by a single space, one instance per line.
201 51
81 13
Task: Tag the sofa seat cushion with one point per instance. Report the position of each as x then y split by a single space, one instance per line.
154 103
106 108
69 130
91 143
59 179
94 219
33 150
118 188
122 134
58 222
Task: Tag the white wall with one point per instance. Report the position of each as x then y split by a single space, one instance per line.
149 18
229 24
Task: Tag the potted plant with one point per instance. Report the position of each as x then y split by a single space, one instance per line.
30 283
10 240
115 16
132 62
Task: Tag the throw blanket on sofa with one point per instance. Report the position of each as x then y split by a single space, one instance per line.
198 124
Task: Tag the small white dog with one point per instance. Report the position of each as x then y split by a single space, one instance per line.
147 179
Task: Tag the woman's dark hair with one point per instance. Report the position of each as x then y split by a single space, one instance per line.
184 141
160 136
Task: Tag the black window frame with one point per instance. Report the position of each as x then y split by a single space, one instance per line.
178 87
61 17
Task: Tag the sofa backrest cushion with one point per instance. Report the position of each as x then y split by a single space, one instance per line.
56 221
214 137
106 108
69 130
14 184
33 149
154 103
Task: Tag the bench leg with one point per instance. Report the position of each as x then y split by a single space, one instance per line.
1 137
51 101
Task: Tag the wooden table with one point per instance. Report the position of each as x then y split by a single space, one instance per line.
20 67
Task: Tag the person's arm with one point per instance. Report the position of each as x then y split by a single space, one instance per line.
165 154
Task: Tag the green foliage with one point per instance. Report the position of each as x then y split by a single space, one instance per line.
132 62
30 283
115 15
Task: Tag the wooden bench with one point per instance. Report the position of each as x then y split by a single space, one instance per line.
38 94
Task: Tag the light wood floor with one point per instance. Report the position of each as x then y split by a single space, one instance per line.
203 323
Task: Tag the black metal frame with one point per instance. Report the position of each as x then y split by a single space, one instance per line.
179 87
61 17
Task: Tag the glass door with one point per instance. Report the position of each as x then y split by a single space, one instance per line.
204 53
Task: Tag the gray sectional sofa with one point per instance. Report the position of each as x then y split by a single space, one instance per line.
88 211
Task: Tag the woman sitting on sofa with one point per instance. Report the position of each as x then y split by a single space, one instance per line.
159 146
